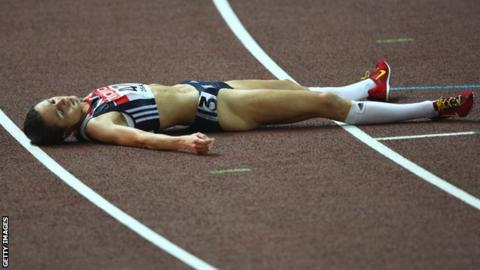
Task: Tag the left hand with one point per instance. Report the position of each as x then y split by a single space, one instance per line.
198 143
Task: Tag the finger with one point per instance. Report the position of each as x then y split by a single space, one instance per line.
198 141
202 136
198 147
201 147
209 140
198 144
200 150
208 147
207 144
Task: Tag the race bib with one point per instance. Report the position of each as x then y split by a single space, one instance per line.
208 102
118 92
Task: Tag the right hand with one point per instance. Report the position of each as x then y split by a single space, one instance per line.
198 143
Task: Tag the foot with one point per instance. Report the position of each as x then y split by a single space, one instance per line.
381 78
456 106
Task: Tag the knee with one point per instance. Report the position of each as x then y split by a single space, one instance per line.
329 100
333 103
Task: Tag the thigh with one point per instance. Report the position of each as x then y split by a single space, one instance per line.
247 109
265 84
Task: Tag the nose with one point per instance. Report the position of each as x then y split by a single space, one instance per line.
64 102
61 101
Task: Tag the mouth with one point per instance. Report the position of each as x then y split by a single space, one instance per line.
73 101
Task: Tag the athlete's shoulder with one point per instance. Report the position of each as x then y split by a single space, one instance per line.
104 121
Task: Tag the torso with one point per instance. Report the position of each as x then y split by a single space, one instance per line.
176 106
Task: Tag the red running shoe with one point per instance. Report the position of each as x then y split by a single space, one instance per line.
456 106
381 77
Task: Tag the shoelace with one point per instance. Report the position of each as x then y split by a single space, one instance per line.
447 103
366 76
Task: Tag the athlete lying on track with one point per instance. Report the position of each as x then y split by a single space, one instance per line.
125 114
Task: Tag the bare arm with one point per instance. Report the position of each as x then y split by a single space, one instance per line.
197 143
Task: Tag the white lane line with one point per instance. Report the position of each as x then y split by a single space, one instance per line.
467 133
239 30
252 46
99 201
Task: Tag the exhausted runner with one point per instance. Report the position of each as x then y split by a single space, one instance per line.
132 114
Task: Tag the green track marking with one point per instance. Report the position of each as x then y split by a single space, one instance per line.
233 170
394 40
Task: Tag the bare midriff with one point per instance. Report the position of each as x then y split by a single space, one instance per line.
176 104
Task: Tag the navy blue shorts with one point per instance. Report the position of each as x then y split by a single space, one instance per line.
207 117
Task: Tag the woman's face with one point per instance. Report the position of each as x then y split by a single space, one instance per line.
63 111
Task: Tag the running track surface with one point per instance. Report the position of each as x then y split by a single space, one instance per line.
314 197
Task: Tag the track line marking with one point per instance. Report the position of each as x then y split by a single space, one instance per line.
394 40
252 46
436 87
467 133
232 170
99 201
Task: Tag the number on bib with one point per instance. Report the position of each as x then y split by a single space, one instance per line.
208 102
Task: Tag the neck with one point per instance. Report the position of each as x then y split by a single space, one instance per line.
85 106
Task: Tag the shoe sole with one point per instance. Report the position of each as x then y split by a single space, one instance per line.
387 94
470 99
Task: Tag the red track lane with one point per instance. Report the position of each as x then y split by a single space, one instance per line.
315 197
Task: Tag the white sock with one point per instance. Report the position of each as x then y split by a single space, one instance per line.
370 112
356 91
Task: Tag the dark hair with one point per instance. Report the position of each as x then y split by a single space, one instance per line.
39 132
